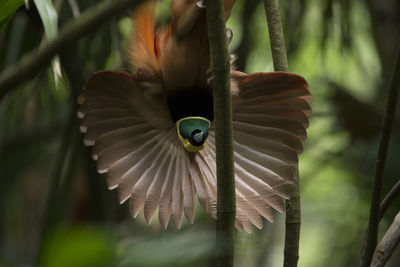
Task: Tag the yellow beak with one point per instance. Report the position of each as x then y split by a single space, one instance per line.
189 147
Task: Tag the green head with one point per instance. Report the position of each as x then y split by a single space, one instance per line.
193 132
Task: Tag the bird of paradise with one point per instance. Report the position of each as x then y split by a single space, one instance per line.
152 129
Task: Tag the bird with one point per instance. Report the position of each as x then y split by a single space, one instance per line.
152 128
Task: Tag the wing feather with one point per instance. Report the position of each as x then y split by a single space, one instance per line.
96 116
119 153
198 184
274 134
188 190
129 179
98 129
255 200
245 222
177 195
209 178
248 210
280 112
118 136
166 193
265 120
154 194
143 184
266 192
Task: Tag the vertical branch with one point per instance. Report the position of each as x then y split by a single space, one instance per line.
387 125
276 35
226 203
293 219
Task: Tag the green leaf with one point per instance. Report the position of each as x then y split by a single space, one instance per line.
49 17
7 10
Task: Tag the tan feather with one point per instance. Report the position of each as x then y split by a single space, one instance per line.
115 137
166 193
268 147
248 210
96 116
255 199
198 184
99 128
119 152
177 195
154 194
245 222
188 190
278 101
265 191
129 179
209 182
276 111
143 184
274 134
262 120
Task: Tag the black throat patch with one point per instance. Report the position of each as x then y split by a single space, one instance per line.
191 103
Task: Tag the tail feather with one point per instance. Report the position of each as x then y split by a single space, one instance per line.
142 48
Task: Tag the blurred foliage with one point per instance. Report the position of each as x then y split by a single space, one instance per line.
8 8
78 247
56 211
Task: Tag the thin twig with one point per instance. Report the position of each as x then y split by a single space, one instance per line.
29 65
387 125
389 242
226 203
293 215
387 201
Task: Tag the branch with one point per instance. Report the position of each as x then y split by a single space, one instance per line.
389 242
387 201
29 65
276 35
226 204
293 215
387 125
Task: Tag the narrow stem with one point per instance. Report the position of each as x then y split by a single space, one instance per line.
388 244
293 212
90 20
387 201
387 125
226 203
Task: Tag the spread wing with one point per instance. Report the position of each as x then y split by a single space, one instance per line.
135 142
270 117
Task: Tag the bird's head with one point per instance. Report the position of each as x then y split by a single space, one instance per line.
193 132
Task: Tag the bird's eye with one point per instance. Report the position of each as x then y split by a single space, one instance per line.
197 136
